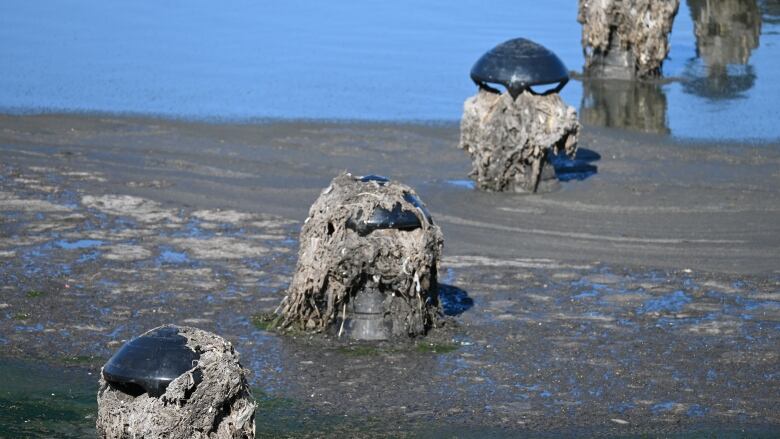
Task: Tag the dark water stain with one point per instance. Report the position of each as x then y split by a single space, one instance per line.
454 301
579 168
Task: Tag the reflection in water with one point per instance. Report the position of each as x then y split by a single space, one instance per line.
630 105
771 11
726 32
718 81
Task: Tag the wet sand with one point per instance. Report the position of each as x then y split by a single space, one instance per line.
642 299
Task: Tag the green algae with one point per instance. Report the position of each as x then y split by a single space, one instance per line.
35 293
436 348
266 321
40 401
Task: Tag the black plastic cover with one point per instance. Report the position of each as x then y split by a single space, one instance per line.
519 64
382 180
151 361
382 218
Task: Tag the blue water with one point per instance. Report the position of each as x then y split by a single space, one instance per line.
357 60
465 184
172 257
672 303
79 244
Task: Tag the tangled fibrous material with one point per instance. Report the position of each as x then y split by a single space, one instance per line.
336 262
210 401
509 139
636 32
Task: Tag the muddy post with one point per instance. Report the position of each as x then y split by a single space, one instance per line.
626 39
512 136
175 382
367 265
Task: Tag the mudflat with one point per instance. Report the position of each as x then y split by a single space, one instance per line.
644 297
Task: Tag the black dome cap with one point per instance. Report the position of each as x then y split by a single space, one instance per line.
518 64
150 362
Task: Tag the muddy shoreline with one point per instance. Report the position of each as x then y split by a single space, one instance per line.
642 299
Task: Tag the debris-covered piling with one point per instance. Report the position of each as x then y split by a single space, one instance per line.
509 139
175 382
368 238
626 39
511 135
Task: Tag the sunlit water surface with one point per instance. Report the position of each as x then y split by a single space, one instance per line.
354 60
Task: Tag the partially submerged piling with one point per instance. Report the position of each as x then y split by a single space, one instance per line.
510 136
175 382
368 262
626 39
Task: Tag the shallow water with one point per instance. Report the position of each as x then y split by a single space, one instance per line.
541 345
39 400
353 60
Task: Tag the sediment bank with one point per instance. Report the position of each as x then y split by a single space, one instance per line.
647 292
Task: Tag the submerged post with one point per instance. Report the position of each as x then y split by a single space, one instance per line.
626 39
175 382
510 136
367 264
